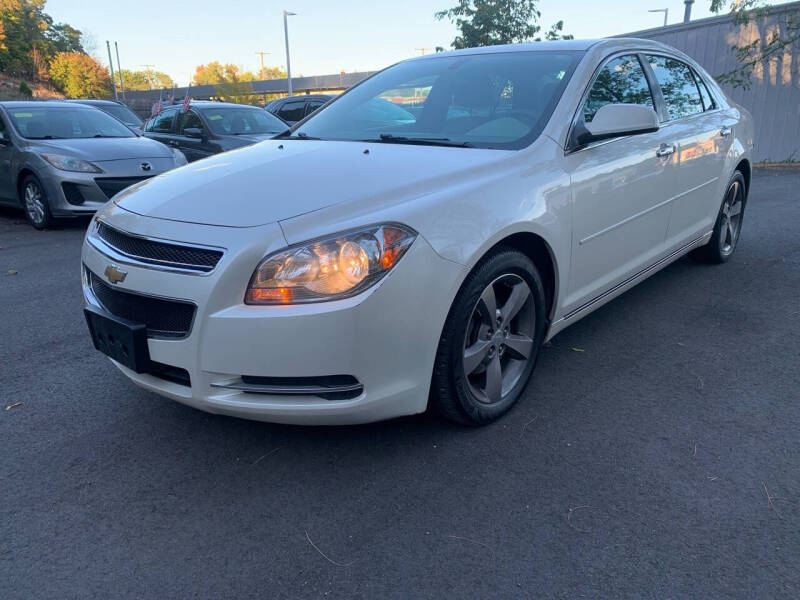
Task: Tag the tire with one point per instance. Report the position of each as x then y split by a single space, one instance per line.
34 202
472 354
727 227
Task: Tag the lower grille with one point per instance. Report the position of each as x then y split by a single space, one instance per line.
170 373
166 318
111 186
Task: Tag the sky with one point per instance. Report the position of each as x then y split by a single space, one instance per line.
326 36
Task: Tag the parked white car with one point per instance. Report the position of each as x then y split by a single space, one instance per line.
360 269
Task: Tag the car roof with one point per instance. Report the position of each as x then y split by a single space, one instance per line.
552 46
43 104
94 102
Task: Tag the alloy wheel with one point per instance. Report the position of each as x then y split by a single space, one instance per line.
731 222
34 202
498 343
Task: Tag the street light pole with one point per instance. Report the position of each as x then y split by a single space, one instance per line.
664 10
288 64
119 71
111 65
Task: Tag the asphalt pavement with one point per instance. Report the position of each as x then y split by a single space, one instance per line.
655 454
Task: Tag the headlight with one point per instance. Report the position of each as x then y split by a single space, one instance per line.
67 163
180 158
329 268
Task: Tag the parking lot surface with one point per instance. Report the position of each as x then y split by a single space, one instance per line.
656 454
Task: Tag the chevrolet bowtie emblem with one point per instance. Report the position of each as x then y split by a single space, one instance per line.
114 274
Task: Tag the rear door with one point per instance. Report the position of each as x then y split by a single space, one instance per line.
694 120
314 104
621 189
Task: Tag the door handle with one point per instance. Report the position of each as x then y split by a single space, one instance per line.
725 131
664 151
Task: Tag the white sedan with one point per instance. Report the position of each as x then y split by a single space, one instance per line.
366 266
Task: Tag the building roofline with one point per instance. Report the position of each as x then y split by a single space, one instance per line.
788 7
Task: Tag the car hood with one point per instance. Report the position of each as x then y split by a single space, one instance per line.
279 179
254 137
104 149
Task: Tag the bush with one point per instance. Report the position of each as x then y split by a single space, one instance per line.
24 90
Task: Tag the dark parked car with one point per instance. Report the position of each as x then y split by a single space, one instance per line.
117 110
211 127
295 108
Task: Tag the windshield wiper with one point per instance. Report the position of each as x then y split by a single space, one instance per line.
388 138
299 136
46 137
100 135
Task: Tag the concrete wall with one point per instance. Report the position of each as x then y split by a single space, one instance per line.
774 96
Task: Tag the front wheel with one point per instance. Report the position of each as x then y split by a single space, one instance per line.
490 340
728 225
34 202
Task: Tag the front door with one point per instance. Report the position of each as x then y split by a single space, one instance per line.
621 190
7 188
192 147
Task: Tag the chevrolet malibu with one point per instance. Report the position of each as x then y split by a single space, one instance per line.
363 267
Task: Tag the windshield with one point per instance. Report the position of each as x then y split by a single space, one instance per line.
500 100
123 113
242 121
66 122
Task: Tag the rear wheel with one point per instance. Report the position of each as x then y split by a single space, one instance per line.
728 225
35 204
490 340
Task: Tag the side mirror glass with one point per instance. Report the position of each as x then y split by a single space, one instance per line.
194 132
617 120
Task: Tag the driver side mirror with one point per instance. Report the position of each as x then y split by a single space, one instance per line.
617 120
195 132
4 141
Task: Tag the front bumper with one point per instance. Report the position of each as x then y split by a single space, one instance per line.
385 338
72 194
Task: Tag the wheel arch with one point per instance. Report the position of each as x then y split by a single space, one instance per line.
23 173
747 171
541 254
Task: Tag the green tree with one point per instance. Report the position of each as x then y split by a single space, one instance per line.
238 91
765 48
215 72
145 80
491 22
78 75
271 73
554 33
29 39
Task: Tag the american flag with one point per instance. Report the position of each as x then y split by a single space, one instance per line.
187 99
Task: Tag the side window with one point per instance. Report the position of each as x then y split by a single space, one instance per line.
187 120
3 131
708 99
621 81
292 110
677 86
314 105
162 123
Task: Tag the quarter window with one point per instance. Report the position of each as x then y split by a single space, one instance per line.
621 81
678 86
708 99
162 123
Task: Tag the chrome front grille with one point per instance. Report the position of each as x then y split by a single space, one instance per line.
162 317
164 254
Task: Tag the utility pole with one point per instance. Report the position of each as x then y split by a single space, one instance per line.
119 70
111 65
261 72
422 50
149 79
664 10
288 63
